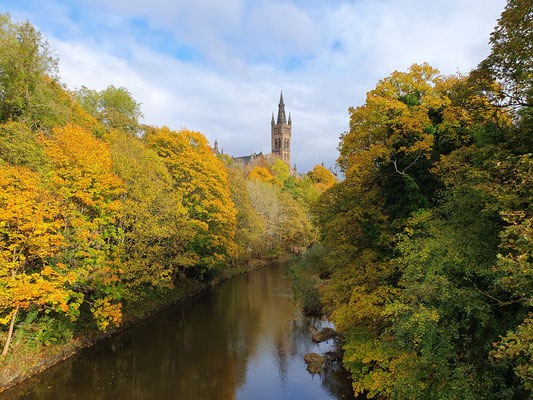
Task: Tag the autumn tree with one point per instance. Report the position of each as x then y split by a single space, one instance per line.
201 181
262 174
155 222
296 227
250 229
280 171
509 63
30 240
30 91
321 176
82 178
19 146
428 236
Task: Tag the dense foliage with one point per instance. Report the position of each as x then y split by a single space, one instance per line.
429 238
98 212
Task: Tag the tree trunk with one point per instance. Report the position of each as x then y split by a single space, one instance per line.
10 331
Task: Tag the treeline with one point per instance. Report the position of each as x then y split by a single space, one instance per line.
425 262
98 211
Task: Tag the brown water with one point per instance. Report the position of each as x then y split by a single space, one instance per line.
242 340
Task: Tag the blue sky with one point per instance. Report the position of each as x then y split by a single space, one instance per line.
218 66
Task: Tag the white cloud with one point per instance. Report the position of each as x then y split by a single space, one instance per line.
279 29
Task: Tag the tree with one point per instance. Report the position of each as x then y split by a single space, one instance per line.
262 174
428 241
90 193
30 238
320 175
114 107
250 229
201 181
28 78
509 62
19 146
264 197
297 231
280 171
156 225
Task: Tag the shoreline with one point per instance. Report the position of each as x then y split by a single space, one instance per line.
48 356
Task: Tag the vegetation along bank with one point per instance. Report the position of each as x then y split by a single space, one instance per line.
426 247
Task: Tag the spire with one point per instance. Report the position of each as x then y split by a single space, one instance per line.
281 111
290 122
216 147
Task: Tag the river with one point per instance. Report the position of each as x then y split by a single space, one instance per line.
244 339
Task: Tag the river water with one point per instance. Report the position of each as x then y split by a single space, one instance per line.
244 339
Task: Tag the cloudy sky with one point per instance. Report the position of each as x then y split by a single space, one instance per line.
217 66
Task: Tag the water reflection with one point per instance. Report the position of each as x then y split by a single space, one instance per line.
242 340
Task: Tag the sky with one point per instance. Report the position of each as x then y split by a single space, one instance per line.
218 66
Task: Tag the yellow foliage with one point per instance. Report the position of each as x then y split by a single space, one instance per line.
106 313
395 126
30 235
263 175
89 192
322 178
82 169
201 180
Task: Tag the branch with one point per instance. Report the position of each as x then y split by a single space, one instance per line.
406 168
488 295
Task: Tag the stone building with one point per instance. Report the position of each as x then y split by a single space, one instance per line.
280 134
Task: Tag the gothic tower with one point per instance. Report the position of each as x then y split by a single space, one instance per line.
281 134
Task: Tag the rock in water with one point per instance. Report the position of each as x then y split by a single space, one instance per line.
314 363
323 335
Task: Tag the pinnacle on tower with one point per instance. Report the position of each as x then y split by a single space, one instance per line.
281 111
272 119
290 122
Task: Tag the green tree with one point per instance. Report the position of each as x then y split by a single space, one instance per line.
19 146
428 240
28 79
280 171
509 63
114 107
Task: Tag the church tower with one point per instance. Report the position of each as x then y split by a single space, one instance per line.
281 134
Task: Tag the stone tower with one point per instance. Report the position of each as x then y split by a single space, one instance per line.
281 134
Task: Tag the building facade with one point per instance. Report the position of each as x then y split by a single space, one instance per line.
281 134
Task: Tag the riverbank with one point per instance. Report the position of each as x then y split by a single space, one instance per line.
24 363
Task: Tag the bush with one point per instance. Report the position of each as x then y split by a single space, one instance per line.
305 273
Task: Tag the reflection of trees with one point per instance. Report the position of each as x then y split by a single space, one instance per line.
192 351
198 350
334 378
336 381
